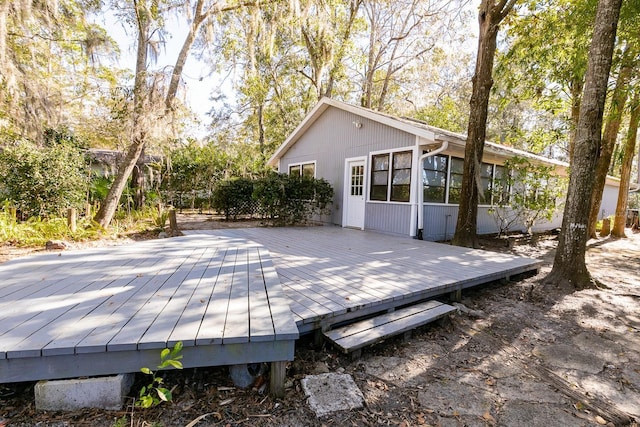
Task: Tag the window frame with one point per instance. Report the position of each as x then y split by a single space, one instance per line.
301 165
389 186
446 179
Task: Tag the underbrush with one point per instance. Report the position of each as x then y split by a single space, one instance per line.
38 231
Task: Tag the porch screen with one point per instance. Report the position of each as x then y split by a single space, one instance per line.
455 184
434 178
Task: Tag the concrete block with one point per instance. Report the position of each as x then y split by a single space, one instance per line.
66 395
328 393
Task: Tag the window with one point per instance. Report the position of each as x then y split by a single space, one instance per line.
434 178
379 176
455 179
357 180
486 178
303 169
441 173
391 176
501 184
401 177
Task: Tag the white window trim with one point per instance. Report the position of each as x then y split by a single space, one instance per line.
412 149
301 164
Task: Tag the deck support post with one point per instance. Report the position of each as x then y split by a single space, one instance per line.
456 296
277 377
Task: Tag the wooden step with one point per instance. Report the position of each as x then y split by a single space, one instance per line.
366 332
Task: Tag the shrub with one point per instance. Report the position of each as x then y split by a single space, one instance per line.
286 199
42 181
234 197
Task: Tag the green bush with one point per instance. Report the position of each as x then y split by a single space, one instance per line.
42 182
285 199
234 198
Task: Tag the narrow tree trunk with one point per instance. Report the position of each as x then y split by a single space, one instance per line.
139 181
625 173
110 203
614 119
576 98
354 6
489 19
569 266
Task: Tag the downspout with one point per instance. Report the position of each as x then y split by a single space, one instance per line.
420 225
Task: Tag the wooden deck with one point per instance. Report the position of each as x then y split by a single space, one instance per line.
231 296
332 274
110 310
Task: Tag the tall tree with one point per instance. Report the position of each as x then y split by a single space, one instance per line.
625 171
551 74
48 65
569 267
490 15
400 33
610 135
147 20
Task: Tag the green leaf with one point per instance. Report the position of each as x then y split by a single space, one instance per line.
146 371
164 394
177 348
176 364
164 353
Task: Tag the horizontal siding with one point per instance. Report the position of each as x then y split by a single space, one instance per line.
332 139
393 218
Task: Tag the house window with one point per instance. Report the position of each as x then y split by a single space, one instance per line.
434 178
455 179
391 176
379 176
501 185
486 178
401 177
303 169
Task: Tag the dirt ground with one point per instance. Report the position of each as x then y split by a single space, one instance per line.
516 354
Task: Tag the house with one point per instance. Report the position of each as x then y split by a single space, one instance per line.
376 164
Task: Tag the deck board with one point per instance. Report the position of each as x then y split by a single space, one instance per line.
346 271
109 310
231 296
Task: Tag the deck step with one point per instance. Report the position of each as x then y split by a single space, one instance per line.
366 332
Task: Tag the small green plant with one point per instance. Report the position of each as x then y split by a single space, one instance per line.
161 218
155 392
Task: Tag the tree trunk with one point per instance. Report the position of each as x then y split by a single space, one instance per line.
139 181
489 18
625 173
354 7
614 119
576 98
110 203
569 265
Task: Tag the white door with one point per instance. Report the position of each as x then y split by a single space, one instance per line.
354 194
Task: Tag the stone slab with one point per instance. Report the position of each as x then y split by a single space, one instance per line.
68 395
331 392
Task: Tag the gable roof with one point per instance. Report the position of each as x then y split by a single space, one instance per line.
410 126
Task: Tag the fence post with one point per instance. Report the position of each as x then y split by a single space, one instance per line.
71 219
173 221
87 211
